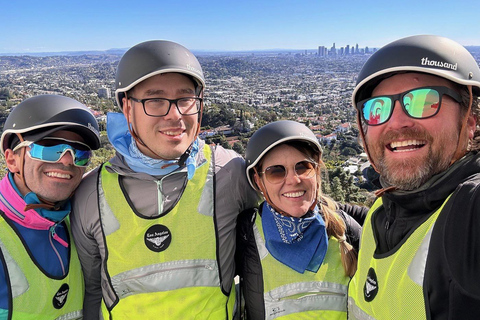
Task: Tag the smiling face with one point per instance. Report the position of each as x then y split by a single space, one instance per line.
293 196
50 181
406 151
168 136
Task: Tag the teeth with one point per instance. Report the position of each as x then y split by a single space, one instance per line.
172 133
406 143
58 175
294 194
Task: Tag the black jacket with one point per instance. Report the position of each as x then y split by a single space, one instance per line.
451 284
248 261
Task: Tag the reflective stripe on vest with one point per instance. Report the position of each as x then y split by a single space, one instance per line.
391 287
292 295
35 295
164 267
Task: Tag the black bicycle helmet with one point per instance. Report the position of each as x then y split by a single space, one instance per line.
39 116
430 54
154 57
273 134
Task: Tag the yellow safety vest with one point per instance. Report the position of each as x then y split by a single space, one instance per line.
164 267
292 295
35 296
391 286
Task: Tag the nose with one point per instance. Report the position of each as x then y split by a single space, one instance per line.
67 158
291 177
173 113
399 118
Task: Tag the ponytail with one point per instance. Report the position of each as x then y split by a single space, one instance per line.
336 228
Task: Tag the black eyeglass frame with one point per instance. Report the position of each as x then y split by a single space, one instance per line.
442 90
170 101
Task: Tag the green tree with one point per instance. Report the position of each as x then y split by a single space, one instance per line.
238 147
348 152
338 193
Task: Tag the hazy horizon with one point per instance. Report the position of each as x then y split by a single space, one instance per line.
219 26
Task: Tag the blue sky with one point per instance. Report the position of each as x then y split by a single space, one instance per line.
78 25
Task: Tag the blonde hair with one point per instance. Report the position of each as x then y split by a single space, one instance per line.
334 223
336 228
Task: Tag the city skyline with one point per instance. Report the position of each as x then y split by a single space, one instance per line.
59 26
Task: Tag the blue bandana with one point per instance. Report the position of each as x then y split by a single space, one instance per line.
299 243
121 139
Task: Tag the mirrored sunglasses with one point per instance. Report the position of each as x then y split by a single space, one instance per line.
277 173
419 103
53 149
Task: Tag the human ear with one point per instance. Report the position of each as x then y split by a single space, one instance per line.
12 161
471 126
127 108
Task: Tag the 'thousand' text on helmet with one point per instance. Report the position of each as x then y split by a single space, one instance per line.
271 135
430 54
154 57
39 116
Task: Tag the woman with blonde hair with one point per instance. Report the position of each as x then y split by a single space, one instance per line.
294 254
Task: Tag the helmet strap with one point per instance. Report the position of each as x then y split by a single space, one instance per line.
362 136
21 174
21 168
264 192
183 158
460 152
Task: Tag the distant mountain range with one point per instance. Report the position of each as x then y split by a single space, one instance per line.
68 53
120 51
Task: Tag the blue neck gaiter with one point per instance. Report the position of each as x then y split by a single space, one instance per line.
122 141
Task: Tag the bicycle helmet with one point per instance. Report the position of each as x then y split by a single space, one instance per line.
273 134
150 58
39 116
430 54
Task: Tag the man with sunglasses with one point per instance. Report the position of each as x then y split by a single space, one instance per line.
47 142
155 226
417 107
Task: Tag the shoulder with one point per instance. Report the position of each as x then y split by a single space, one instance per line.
455 237
226 157
85 201
353 229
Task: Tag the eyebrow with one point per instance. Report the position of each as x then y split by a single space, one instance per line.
154 92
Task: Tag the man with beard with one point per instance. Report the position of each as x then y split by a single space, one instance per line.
417 109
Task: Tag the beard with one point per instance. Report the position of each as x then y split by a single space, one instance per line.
412 172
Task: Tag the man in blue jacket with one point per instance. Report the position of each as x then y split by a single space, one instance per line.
47 142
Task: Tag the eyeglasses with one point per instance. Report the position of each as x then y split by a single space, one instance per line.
51 150
277 174
160 107
419 103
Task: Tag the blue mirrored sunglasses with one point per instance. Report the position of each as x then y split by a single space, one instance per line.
52 150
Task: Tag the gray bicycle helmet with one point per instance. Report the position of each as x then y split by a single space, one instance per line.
154 57
39 116
273 134
430 54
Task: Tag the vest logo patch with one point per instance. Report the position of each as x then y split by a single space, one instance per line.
370 289
158 238
60 297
